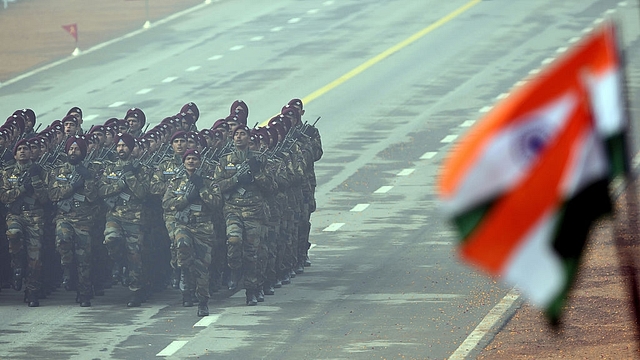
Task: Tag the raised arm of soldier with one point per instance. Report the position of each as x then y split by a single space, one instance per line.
61 184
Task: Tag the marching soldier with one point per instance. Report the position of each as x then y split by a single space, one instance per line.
192 196
123 187
73 188
24 192
242 180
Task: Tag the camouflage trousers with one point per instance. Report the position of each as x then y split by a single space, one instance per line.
243 242
124 241
170 225
289 232
73 242
193 244
267 254
304 227
219 253
25 231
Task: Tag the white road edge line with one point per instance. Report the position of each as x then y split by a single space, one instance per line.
449 138
172 348
490 320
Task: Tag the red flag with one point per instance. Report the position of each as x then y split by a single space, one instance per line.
72 29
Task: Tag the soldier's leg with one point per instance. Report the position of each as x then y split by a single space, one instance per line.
170 225
114 242
83 251
33 231
253 232
235 232
134 246
15 234
202 246
303 238
64 246
270 274
185 259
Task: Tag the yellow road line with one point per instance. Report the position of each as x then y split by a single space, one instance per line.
376 59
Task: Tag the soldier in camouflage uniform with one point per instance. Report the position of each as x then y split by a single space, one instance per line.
167 169
243 181
192 196
124 187
23 192
73 188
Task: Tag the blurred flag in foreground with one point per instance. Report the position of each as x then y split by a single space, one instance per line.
525 184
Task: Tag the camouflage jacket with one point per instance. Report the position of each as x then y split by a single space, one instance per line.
125 193
201 209
166 170
77 205
250 196
15 195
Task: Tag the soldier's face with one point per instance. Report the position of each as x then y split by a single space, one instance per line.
253 145
241 139
179 145
192 162
153 145
100 136
70 128
77 116
108 138
123 150
134 124
35 151
192 144
74 152
23 153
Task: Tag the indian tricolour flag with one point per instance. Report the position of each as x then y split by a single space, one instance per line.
523 187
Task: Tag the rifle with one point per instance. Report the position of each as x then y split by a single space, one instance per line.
182 216
111 200
15 206
65 204
104 152
305 127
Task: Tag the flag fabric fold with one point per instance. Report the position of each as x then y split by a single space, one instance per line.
524 186
72 29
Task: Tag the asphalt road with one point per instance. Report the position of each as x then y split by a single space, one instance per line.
395 83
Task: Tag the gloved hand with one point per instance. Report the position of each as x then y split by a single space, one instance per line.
77 185
83 171
193 195
254 164
129 168
311 131
35 170
246 178
197 181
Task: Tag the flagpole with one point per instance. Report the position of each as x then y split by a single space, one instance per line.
629 227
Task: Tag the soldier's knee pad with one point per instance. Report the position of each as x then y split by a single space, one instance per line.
14 234
234 240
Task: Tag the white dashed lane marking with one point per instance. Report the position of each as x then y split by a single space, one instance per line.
468 123
257 38
144 91
312 11
207 320
547 61
449 138
333 227
169 79
172 348
294 20
428 155
215 57
276 29
117 103
383 189
236 48
359 207
406 172
193 68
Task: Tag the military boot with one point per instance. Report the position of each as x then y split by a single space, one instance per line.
299 268
83 300
18 275
234 279
136 298
252 300
203 307
187 299
32 298
307 262
268 288
259 295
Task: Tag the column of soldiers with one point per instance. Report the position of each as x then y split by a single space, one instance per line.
197 210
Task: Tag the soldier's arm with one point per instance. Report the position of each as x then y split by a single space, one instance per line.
137 183
108 187
225 181
210 194
174 199
90 190
316 146
58 189
8 193
157 185
40 186
264 180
